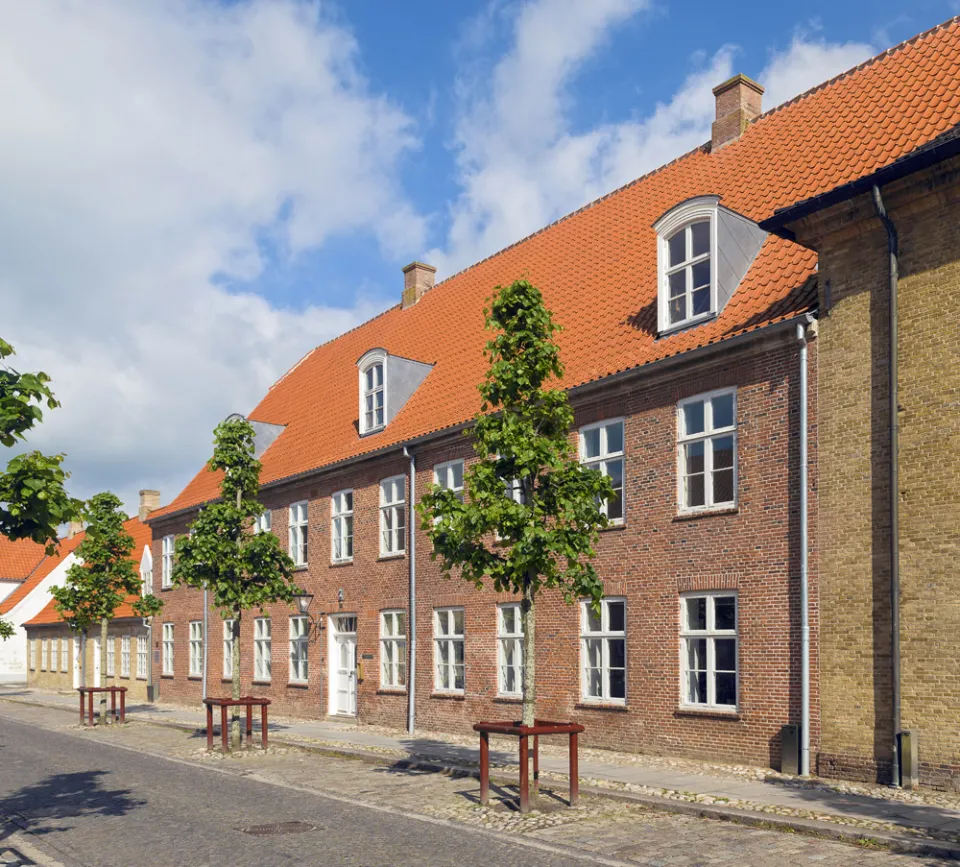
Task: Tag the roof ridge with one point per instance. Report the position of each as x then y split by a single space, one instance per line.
894 49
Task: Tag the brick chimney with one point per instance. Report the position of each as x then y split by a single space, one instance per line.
738 103
417 279
149 500
73 528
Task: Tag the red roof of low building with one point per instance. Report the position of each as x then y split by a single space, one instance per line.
141 536
597 268
47 565
18 559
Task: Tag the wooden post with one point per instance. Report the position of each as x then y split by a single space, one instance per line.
263 725
113 704
484 768
81 704
524 775
249 724
223 727
90 694
536 764
209 725
574 770
123 705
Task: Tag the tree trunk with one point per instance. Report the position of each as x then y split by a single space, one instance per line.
528 624
235 693
104 629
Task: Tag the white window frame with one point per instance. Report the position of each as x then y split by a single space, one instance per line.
444 650
341 526
369 360
166 562
111 656
298 532
143 657
65 654
393 649
146 572
605 458
54 653
32 653
262 650
605 635
44 654
124 656
393 540
196 648
443 475
227 649
168 648
711 634
678 219
299 649
708 435
263 523
505 639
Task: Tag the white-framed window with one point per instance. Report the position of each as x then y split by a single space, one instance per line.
32 654
373 391
509 650
393 516
707 451
111 656
167 642
227 649
299 649
143 648
262 523
64 654
341 526
146 572
449 476
601 448
196 648
708 649
166 562
44 650
298 532
393 649
54 653
448 649
261 649
603 651
125 656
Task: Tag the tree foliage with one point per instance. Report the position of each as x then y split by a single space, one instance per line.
530 514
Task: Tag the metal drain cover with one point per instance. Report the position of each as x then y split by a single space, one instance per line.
274 829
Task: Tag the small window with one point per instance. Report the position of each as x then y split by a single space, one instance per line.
449 476
125 656
603 651
261 649
44 650
509 650
393 650
227 649
392 517
688 273
299 649
373 397
707 440
196 648
708 634
601 448
168 648
111 656
298 533
262 523
54 653
166 563
448 649
32 654
142 651
64 654
341 527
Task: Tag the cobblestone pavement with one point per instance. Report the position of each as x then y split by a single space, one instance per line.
77 790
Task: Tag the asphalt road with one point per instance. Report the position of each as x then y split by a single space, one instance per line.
84 803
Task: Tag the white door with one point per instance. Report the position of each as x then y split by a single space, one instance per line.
343 665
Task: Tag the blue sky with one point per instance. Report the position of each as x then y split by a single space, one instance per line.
198 192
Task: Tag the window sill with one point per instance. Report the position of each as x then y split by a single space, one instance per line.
454 696
706 513
392 690
194 677
398 556
687 323
297 684
164 589
601 705
226 680
712 712
619 525
263 683
336 564
508 699
167 676
143 679
301 568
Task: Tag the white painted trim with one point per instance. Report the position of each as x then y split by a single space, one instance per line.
681 440
366 361
708 633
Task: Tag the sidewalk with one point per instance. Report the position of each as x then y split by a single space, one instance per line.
729 791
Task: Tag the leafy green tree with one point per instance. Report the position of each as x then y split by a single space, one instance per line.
33 501
104 577
242 569
531 513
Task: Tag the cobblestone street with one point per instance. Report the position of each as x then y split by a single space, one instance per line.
152 795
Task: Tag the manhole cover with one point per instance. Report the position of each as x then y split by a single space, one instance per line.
275 828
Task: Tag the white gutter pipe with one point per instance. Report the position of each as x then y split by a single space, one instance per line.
206 643
804 566
412 610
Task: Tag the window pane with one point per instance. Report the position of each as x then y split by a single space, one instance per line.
693 418
694 453
458 625
443 627
678 247
591 442
696 613
593 652
593 683
726 686
678 308
725 613
722 411
723 486
701 238
615 617
678 284
701 301
696 654
725 654
701 274
618 683
615 437
592 619
457 475
616 651
697 687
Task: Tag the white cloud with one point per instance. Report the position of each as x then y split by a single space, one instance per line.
522 164
147 147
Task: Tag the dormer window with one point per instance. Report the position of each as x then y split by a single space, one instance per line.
688 273
373 391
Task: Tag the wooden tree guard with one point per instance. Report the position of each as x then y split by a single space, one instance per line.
247 701
113 690
539 727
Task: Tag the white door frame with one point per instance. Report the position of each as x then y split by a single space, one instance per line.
77 659
335 673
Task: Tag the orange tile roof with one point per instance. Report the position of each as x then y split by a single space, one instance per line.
597 267
141 536
18 559
47 565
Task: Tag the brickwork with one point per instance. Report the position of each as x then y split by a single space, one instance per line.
854 464
650 560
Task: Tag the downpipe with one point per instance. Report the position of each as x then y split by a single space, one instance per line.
412 610
804 563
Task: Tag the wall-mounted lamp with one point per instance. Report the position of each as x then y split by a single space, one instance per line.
340 597
304 600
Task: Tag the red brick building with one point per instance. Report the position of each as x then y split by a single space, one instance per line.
687 331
